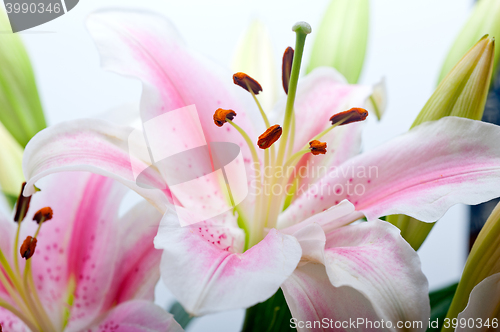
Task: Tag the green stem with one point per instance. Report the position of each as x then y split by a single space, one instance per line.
302 30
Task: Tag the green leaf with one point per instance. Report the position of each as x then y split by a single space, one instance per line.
272 315
440 302
342 38
180 315
20 108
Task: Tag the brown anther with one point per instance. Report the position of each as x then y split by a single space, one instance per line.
271 135
355 114
44 213
286 68
317 147
221 115
22 205
247 83
28 247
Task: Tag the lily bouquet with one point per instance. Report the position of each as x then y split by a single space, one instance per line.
246 205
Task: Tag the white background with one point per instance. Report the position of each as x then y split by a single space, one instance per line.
408 42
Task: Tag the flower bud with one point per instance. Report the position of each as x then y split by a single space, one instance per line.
464 90
483 261
461 93
22 113
11 170
254 55
483 20
342 38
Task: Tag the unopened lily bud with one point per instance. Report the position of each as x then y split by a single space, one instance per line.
28 247
483 262
221 115
11 170
461 93
21 113
271 135
483 20
254 55
464 90
317 147
43 214
247 83
342 37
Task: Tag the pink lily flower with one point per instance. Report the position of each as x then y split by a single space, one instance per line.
326 267
90 270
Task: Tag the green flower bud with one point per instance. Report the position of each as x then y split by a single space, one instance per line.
461 93
483 261
254 56
21 110
11 171
342 38
483 20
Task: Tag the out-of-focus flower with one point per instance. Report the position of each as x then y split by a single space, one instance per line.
342 38
480 282
238 259
21 110
86 269
483 21
462 93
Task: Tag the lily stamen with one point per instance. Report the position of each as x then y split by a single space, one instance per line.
354 114
286 68
251 85
221 116
28 247
271 135
317 147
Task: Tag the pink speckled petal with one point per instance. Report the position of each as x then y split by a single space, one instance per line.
203 268
138 270
137 316
89 145
484 303
374 259
10 322
7 234
311 297
421 173
338 215
146 46
70 245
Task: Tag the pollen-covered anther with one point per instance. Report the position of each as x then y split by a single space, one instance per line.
317 147
221 115
355 114
28 247
247 83
22 205
44 213
286 68
271 135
